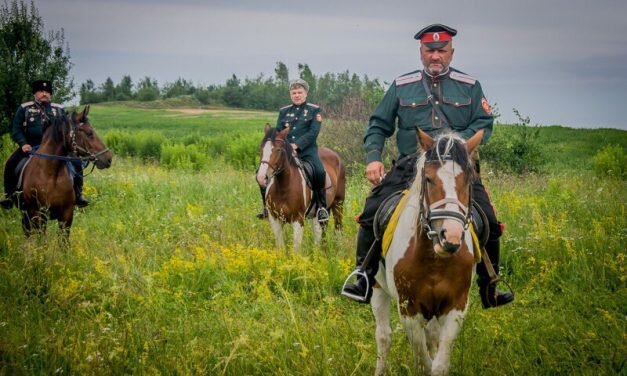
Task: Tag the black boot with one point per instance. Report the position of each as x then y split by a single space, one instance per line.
490 295
81 201
361 290
7 202
322 214
264 212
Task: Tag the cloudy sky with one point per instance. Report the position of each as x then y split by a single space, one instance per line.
556 61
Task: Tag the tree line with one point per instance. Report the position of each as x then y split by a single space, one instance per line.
333 91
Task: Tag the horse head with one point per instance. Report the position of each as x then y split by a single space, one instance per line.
447 174
85 143
275 153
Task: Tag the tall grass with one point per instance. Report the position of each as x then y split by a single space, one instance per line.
169 272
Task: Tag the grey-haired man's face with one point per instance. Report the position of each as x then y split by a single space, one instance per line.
298 95
436 60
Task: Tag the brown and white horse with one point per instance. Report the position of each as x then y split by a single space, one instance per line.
430 264
47 189
287 195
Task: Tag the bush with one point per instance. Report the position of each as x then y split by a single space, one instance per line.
144 144
515 148
179 156
610 161
243 151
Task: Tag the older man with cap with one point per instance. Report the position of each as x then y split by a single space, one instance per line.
29 123
436 99
304 121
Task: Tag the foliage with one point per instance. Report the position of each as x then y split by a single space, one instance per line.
242 151
518 150
26 54
179 156
610 160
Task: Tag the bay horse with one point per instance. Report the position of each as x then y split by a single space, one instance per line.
288 197
429 266
47 188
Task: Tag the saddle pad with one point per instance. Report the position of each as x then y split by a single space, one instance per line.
389 229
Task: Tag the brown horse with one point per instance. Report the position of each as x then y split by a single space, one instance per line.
288 197
430 263
47 189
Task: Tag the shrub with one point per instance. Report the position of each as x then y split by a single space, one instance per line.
516 148
179 156
148 144
242 151
610 161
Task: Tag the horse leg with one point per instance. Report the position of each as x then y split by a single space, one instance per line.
298 230
318 230
337 210
450 325
277 228
414 328
380 303
65 223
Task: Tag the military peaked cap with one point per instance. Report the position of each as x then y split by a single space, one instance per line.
436 35
42 85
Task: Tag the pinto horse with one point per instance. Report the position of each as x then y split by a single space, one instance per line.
288 196
47 189
430 264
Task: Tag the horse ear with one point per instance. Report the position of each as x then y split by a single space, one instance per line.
285 131
426 142
266 128
86 110
474 141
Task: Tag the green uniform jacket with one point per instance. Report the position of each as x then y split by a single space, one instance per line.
30 119
405 105
305 122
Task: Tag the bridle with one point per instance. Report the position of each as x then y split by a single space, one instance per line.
435 211
276 170
77 152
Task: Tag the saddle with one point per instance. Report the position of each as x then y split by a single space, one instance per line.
308 170
386 219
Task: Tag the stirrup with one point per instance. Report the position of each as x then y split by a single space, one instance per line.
356 273
324 213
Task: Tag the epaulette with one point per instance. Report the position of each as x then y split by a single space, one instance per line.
57 105
313 105
462 77
26 104
286 107
408 78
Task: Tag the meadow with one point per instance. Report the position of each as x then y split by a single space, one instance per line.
169 271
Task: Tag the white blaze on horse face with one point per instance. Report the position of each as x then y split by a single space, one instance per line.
263 167
454 229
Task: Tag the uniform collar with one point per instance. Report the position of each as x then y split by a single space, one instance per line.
439 76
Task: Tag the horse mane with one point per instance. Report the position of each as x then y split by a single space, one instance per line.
272 136
447 146
450 146
58 128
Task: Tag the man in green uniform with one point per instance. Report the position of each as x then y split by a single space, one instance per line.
435 99
304 120
27 130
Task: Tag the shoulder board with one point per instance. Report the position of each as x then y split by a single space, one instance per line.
462 77
26 104
313 105
57 105
285 108
408 78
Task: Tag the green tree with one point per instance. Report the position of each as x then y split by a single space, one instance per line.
108 90
26 54
147 90
88 93
282 73
124 90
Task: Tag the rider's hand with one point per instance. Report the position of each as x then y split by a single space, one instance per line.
375 171
294 147
26 148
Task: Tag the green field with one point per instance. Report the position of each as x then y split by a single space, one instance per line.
169 271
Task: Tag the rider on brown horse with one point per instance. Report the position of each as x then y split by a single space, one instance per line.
304 121
29 123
